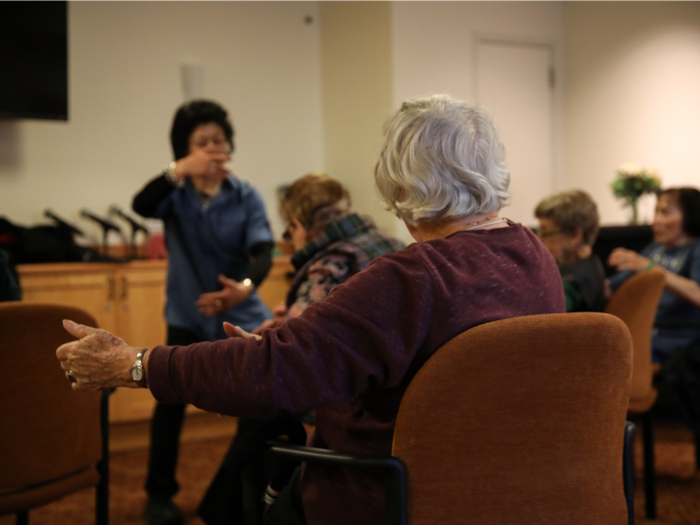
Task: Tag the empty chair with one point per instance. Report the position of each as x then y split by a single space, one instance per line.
54 440
635 302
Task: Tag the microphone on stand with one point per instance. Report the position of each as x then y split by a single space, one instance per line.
106 225
62 224
135 227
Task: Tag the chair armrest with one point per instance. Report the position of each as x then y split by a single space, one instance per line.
396 513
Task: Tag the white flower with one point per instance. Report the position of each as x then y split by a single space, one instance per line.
630 169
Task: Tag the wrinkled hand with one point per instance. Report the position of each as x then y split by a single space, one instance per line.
237 331
232 294
202 163
623 259
98 359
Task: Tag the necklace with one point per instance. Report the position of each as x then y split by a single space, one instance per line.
485 224
487 219
479 224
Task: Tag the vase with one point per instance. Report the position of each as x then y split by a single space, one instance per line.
634 219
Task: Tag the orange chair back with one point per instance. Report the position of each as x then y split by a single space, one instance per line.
636 302
520 421
51 439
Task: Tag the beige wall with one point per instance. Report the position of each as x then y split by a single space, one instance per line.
260 59
357 97
434 48
313 96
434 41
632 95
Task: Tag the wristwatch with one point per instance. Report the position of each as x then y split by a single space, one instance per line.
137 372
249 284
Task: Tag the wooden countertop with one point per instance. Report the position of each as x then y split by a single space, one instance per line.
49 268
85 267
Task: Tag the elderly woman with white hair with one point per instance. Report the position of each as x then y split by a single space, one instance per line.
352 356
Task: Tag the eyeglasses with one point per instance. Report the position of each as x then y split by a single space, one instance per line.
287 235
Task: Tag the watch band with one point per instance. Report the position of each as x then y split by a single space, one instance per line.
169 173
137 371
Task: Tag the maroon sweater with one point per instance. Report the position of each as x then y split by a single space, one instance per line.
352 355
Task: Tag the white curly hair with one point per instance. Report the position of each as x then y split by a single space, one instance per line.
442 160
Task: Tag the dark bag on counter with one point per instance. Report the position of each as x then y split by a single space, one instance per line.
41 244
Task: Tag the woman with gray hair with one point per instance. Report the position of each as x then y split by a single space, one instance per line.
352 355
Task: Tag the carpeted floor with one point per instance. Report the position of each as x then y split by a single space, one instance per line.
678 484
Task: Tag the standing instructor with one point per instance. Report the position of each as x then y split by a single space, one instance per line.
219 244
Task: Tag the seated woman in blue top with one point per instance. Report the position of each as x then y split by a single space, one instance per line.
220 245
675 252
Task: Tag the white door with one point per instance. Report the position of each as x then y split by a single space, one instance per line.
515 82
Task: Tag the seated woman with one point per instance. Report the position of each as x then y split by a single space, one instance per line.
352 356
331 243
568 227
675 251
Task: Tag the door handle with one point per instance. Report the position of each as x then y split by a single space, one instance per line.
112 289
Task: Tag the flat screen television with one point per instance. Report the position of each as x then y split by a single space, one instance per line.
34 60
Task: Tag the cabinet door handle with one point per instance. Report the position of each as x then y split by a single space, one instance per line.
112 289
125 288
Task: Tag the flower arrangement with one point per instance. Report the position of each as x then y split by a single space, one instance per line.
633 181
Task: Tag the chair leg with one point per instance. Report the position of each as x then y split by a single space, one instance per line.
628 470
102 492
649 468
23 518
253 479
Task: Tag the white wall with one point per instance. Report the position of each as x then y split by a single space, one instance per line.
434 47
632 95
261 60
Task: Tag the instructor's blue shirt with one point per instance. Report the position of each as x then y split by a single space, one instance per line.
206 242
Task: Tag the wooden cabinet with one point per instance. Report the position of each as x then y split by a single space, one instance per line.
274 288
129 301
91 287
125 299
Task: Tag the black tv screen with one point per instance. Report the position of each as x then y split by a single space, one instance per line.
34 60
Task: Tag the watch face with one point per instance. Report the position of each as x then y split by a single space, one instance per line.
137 373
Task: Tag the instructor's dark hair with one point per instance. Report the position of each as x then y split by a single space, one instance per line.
192 114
